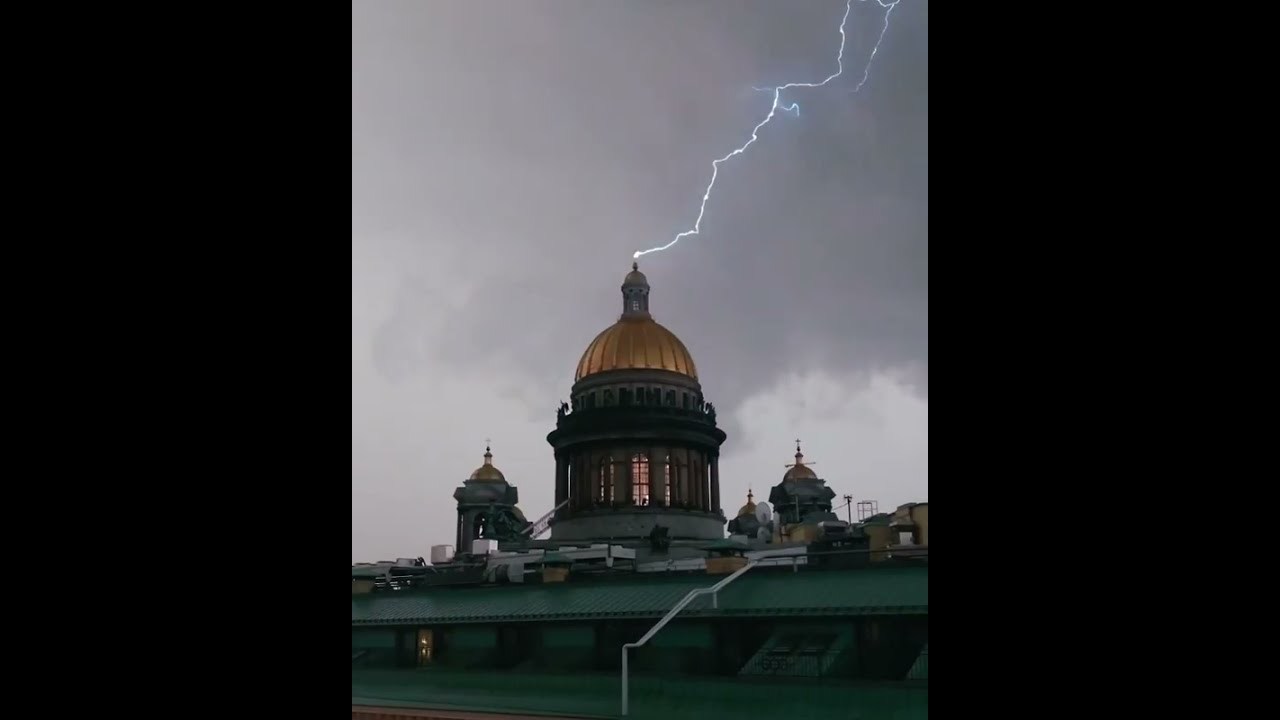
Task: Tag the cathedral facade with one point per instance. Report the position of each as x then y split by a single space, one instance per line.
637 453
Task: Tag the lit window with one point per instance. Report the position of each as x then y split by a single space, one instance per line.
640 479
635 305
426 646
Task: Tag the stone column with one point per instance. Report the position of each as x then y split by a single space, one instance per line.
695 493
702 480
583 482
695 496
679 478
562 481
657 478
686 479
597 478
625 481
715 483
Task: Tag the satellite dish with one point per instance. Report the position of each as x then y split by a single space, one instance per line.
764 514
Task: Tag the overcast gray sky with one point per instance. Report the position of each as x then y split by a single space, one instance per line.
508 157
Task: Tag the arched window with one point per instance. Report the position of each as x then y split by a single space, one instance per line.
640 479
604 481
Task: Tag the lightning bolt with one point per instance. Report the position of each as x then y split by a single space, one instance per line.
776 106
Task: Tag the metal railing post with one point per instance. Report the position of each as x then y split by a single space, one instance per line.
624 679
713 591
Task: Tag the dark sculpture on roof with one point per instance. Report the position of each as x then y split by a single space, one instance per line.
659 539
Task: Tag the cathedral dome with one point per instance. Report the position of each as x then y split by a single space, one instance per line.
749 508
636 341
487 472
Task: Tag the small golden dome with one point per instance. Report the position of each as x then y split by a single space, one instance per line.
487 472
799 471
750 507
635 343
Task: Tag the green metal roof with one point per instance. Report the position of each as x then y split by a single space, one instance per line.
762 591
727 545
657 698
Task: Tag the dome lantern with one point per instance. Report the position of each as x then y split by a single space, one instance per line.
635 293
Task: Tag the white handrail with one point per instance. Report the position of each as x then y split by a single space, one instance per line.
544 522
715 603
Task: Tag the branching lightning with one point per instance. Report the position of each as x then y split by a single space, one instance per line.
776 106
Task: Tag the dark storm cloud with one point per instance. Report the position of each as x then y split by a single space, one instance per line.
550 139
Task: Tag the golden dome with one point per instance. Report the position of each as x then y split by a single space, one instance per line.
799 471
749 508
636 341
487 472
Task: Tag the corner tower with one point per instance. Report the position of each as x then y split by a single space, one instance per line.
487 507
638 445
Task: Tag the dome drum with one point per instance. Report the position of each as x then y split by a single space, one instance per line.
697 427
660 473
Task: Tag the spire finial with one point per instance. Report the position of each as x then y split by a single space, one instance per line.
635 265
799 458
749 495
488 455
